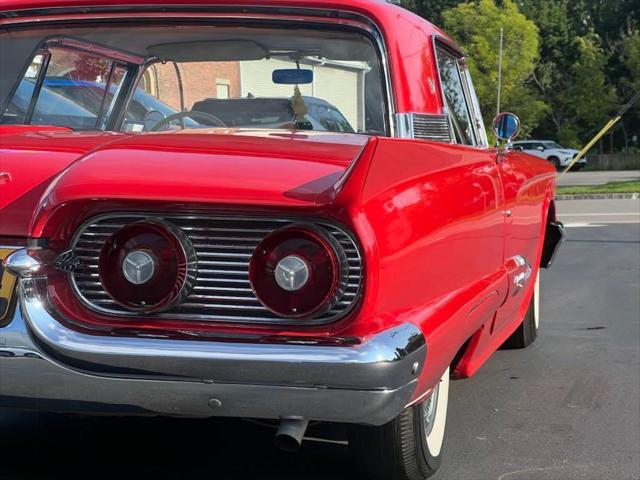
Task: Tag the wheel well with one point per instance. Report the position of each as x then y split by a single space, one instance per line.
459 355
554 235
551 213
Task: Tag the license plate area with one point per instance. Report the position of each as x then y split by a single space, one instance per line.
7 290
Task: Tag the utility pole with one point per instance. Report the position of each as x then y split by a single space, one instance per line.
500 71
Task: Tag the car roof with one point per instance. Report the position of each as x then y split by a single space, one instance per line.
381 11
8 5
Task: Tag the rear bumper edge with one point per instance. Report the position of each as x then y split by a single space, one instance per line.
369 384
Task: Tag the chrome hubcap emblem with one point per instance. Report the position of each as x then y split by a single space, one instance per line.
138 267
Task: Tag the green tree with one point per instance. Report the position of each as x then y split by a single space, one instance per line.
430 9
628 85
571 75
476 27
630 55
589 99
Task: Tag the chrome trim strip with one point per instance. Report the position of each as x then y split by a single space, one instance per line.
412 125
369 383
404 125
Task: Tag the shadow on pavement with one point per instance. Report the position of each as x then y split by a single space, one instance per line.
46 446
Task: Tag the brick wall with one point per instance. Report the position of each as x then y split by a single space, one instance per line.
199 80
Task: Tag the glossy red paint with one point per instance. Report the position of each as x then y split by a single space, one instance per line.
33 156
430 217
208 168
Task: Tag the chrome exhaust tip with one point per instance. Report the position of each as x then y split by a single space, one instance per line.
290 433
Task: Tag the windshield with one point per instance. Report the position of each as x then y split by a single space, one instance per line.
209 76
552 145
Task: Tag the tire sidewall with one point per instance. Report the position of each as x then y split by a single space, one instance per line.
427 461
536 302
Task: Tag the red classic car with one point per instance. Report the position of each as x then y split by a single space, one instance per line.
284 210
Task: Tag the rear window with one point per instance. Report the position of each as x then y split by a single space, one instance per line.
196 77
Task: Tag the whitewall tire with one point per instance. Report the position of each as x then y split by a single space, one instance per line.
410 446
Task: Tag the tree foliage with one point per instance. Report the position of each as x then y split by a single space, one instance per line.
476 27
430 9
569 64
571 69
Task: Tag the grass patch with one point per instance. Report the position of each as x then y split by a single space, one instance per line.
612 187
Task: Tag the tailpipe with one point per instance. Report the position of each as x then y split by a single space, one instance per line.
290 433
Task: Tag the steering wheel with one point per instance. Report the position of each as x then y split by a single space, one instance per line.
193 115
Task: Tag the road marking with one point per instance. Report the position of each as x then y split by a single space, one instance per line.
603 224
583 225
624 214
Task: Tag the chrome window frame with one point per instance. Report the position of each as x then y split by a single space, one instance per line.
473 107
467 81
130 62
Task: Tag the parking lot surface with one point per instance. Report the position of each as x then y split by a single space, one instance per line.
566 408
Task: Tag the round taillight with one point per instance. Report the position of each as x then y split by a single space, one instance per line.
298 272
148 266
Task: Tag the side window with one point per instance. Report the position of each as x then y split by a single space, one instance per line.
68 88
455 98
16 111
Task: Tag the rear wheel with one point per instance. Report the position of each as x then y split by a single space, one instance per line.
527 331
410 446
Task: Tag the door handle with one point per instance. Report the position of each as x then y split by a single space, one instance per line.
5 177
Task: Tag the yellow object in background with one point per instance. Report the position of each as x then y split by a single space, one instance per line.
7 287
602 132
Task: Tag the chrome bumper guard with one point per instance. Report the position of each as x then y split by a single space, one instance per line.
47 366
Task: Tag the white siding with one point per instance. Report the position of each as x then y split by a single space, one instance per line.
336 84
340 88
255 78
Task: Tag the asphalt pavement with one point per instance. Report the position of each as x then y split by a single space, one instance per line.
566 408
597 178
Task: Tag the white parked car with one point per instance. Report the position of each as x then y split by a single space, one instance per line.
558 155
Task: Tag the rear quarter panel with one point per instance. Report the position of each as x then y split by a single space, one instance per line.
435 211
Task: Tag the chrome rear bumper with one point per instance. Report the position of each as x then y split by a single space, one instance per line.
47 366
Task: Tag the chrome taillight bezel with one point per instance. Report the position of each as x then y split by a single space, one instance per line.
327 280
189 310
173 291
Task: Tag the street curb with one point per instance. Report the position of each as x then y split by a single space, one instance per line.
600 196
